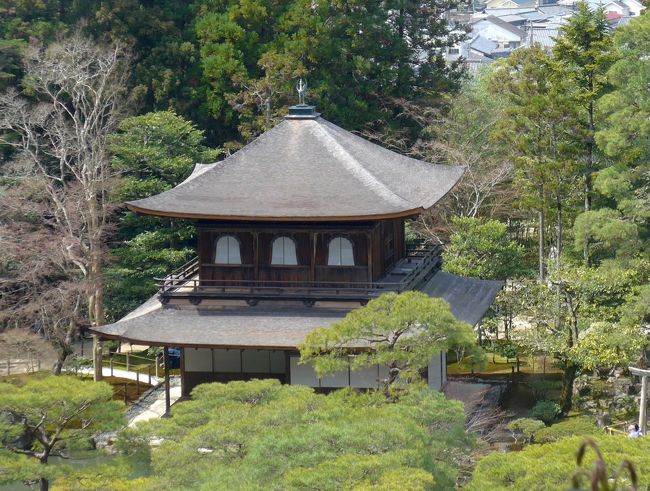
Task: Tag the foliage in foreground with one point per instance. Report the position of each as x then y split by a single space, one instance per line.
47 417
551 466
243 434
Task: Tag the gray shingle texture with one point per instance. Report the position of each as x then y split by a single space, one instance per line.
306 169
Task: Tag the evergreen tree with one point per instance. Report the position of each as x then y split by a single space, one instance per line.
538 135
153 153
583 55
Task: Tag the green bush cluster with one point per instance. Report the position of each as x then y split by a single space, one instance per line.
264 435
571 426
542 388
550 466
546 411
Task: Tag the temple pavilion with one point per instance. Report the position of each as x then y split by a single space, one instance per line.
294 230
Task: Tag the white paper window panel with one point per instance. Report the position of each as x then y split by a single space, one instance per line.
227 360
443 355
198 360
435 373
365 379
227 251
278 362
254 361
302 374
337 379
284 252
383 372
340 252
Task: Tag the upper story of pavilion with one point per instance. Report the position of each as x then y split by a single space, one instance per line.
306 211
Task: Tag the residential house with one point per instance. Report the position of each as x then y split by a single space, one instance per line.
505 35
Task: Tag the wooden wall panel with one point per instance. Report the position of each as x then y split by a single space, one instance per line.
369 243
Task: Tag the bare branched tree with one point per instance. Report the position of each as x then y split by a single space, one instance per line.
41 289
457 132
60 136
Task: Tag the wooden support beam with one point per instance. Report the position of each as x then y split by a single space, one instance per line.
167 394
643 415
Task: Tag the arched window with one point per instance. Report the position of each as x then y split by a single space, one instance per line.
340 252
227 250
284 251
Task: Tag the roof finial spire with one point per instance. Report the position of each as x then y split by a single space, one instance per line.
301 87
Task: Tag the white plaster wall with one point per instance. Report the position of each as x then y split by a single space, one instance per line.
494 33
198 360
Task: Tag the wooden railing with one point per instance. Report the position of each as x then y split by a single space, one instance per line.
185 283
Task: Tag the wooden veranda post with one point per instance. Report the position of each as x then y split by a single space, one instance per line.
167 395
643 415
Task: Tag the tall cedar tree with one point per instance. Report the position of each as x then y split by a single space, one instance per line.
538 135
583 53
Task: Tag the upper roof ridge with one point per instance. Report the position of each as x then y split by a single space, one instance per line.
353 166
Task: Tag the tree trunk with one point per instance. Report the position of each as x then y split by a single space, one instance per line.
97 359
558 246
58 364
566 397
96 280
589 169
542 269
43 484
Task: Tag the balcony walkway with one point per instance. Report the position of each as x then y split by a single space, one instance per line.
407 274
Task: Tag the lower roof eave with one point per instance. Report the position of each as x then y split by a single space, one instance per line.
150 342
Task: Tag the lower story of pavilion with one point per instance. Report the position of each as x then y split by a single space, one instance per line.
202 365
227 340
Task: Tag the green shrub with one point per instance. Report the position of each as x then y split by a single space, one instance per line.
524 428
541 388
547 411
572 426
550 466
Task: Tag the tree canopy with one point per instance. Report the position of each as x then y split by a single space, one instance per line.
481 248
401 331
242 434
47 417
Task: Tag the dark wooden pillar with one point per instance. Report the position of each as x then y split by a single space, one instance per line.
167 395
313 239
369 248
256 256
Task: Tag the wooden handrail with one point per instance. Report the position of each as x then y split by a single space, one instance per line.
184 282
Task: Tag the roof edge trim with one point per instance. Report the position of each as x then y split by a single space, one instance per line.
350 218
145 342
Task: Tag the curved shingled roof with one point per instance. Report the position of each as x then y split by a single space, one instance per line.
306 169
